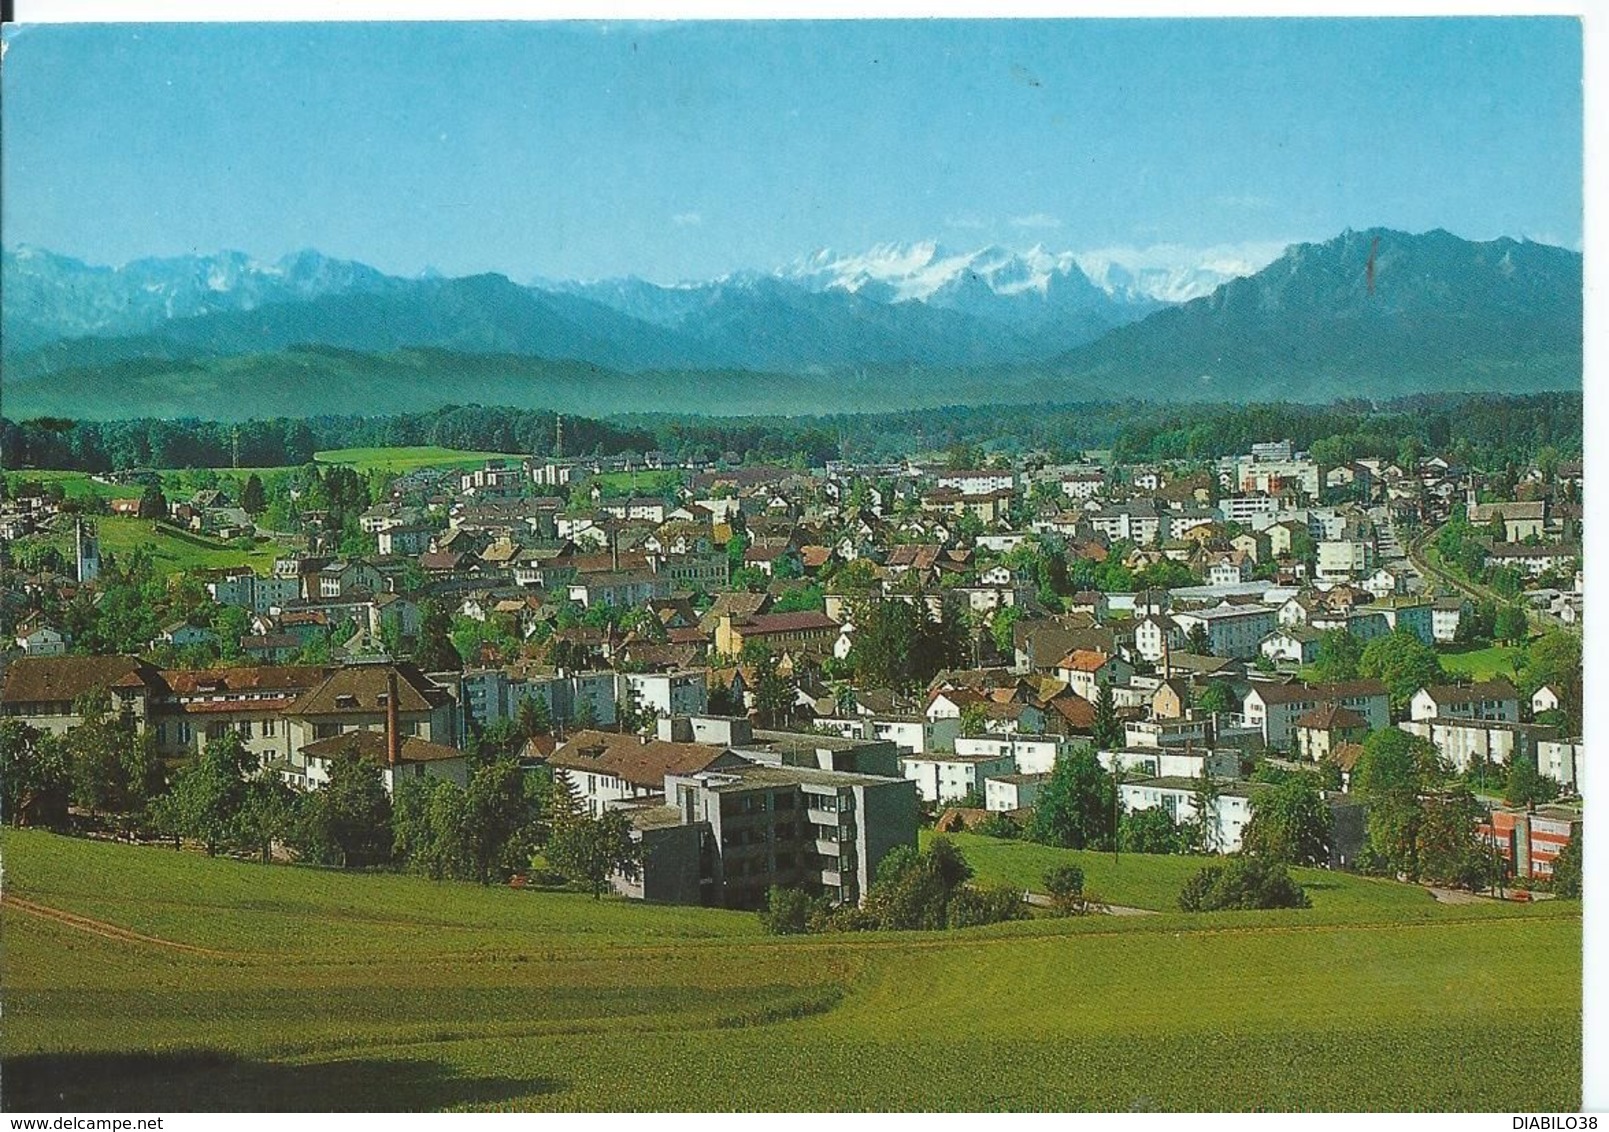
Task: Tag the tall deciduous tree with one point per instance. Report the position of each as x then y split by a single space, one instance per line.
1075 807
1567 868
589 850
1150 831
1290 823
1393 772
112 770
1554 659
435 652
348 820
34 779
267 814
890 649
1510 624
773 692
1448 848
209 792
1525 784
532 718
974 720
1403 663
153 504
1216 698
1339 655
502 816
1197 640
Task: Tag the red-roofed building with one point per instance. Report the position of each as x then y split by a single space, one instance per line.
802 632
1086 671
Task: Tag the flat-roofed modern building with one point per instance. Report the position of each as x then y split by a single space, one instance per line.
820 830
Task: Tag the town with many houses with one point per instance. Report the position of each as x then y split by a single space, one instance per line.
694 654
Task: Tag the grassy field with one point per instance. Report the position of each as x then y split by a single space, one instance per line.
1138 880
175 550
172 550
194 983
650 483
407 459
76 485
1482 664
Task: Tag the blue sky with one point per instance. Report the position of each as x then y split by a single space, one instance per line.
684 150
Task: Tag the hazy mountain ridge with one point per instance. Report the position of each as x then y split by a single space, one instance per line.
1434 313
1433 308
63 314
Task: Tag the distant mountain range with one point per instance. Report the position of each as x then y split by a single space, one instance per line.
1374 313
986 307
1368 313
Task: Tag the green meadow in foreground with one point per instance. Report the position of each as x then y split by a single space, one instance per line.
143 978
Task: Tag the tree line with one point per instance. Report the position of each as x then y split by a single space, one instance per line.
504 821
1489 430
102 446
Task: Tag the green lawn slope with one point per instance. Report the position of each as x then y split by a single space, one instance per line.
141 978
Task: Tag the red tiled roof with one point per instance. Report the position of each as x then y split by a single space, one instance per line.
35 679
1075 709
371 745
1084 660
256 678
627 757
1331 717
1467 693
761 624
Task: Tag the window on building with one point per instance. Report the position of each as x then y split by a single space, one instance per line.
270 727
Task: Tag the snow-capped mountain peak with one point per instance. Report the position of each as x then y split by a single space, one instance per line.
923 270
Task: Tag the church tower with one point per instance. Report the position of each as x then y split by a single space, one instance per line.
88 548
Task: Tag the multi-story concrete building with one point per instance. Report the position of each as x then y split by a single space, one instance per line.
1232 630
258 593
1343 558
1247 509
1561 760
1172 762
820 830
1530 841
1466 742
357 697
950 778
1445 616
1490 699
1274 708
1029 754
666 693
608 769
1141 521
980 482
806 631
1227 813
621 590
1008 792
